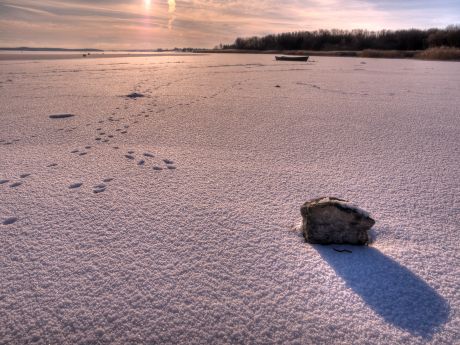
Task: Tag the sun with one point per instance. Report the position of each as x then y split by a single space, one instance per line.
147 3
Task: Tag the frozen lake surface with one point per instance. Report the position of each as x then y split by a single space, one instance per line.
171 218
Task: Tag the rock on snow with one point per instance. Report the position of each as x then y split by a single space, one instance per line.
333 220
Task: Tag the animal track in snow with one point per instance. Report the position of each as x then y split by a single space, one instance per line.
16 184
149 158
4 181
52 165
75 185
99 188
24 175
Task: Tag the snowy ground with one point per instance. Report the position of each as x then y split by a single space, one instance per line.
208 252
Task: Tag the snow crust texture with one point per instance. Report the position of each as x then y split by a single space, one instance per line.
171 218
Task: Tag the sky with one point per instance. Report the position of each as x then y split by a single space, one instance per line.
151 24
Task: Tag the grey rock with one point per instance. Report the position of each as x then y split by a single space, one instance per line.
135 95
61 116
332 220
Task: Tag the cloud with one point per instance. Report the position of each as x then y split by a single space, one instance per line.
126 24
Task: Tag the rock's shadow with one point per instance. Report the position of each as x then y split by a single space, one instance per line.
390 289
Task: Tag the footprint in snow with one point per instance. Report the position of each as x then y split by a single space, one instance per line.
130 157
99 188
102 186
4 181
16 184
24 175
9 221
75 185
146 154
52 165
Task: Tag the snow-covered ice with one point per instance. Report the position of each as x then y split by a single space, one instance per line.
171 218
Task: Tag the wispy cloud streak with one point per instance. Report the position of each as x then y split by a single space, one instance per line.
171 12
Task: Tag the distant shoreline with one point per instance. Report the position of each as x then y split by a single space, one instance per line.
44 49
438 54
54 55
443 54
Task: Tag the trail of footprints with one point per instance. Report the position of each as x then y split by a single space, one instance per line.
146 160
99 188
105 131
17 183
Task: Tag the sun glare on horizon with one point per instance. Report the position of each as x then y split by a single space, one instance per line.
147 3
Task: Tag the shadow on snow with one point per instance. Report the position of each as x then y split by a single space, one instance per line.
390 289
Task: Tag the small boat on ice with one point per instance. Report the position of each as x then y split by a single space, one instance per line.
291 58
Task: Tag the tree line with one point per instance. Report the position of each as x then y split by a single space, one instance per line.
411 39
